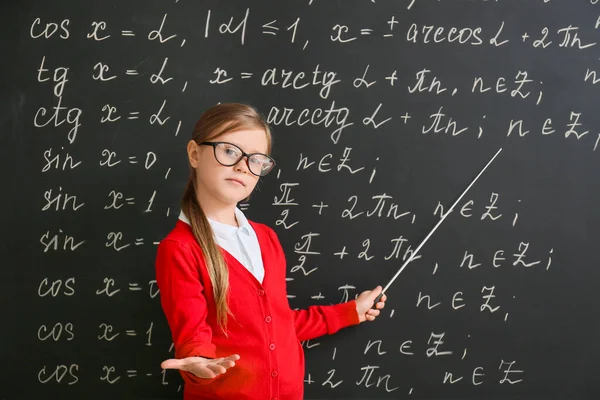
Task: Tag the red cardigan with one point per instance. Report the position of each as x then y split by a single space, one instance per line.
264 331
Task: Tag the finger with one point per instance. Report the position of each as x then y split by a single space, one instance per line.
204 371
173 363
226 364
376 292
233 357
209 374
216 369
373 312
376 295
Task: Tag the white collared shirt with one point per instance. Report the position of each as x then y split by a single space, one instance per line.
241 242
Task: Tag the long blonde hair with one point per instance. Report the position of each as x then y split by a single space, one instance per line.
214 122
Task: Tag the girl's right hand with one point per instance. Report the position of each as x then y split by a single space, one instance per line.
206 368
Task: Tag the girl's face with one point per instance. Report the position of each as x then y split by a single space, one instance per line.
220 184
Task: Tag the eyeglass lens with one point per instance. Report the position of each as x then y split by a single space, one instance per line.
229 154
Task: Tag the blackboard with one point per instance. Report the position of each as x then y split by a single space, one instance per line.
383 112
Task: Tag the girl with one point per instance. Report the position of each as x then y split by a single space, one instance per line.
222 277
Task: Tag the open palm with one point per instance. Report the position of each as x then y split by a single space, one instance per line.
206 368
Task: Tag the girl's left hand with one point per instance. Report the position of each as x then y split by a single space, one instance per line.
364 304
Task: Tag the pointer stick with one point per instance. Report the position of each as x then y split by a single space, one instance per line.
433 230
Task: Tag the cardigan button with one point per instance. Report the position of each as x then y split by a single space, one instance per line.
261 292
268 319
272 346
274 374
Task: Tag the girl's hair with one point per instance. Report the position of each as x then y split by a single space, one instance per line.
214 122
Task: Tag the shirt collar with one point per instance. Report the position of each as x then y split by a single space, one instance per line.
242 222
223 230
183 218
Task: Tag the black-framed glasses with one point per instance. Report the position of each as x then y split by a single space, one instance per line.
228 154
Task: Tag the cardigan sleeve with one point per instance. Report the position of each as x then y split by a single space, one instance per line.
184 305
316 321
